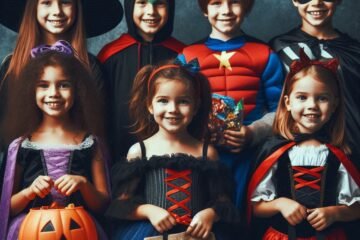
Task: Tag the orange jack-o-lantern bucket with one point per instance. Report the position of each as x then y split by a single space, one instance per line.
56 223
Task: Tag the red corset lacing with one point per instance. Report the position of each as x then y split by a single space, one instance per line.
299 172
172 175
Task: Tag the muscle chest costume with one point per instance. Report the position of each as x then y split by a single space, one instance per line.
121 60
347 51
243 68
311 181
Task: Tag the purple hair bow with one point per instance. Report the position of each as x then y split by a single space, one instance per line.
60 46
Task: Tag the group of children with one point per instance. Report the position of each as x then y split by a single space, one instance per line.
149 98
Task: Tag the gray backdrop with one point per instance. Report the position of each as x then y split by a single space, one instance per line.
267 19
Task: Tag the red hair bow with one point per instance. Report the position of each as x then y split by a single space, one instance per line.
304 61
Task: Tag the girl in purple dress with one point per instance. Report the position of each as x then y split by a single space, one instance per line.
56 159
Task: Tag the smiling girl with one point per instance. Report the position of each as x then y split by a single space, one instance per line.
305 183
57 158
172 184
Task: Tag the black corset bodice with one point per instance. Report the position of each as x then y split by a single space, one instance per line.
311 186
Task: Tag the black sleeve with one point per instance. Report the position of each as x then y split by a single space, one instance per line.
98 76
221 188
128 189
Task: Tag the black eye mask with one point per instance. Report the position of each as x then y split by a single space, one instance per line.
306 1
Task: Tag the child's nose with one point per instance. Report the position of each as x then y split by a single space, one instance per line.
56 8
53 91
150 8
311 103
225 8
172 107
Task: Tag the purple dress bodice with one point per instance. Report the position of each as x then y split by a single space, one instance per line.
57 164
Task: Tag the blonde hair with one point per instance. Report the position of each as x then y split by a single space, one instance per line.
285 125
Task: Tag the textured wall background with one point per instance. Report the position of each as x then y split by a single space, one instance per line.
268 18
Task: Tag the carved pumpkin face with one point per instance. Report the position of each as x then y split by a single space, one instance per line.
68 223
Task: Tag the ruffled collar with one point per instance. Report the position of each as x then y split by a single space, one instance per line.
87 143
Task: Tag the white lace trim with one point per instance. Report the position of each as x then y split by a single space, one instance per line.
308 155
348 191
87 143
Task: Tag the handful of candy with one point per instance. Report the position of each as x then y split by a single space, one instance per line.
225 115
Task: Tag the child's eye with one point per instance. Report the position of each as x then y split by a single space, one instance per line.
160 3
301 97
323 98
215 3
42 85
66 2
65 85
46 3
184 101
162 100
141 2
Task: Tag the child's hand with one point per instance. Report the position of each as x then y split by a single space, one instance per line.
237 140
68 184
161 219
41 187
320 218
292 211
200 226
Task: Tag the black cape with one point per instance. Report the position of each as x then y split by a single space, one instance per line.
347 50
122 59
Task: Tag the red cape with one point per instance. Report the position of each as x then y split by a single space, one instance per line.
126 40
266 165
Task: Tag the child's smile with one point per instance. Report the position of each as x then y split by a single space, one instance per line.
316 13
225 18
311 104
54 93
55 16
173 106
150 17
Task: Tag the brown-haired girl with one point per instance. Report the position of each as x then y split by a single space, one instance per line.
45 22
307 184
57 113
172 182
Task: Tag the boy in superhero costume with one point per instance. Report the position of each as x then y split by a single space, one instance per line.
241 67
148 41
321 40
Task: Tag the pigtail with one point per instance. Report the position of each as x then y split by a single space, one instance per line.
199 125
143 123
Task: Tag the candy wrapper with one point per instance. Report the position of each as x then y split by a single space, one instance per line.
225 115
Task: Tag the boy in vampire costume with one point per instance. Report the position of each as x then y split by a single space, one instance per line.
148 41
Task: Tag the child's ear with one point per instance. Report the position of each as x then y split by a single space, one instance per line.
287 102
150 109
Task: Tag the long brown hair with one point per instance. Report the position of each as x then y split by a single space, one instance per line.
25 116
143 92
30 36
285 125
